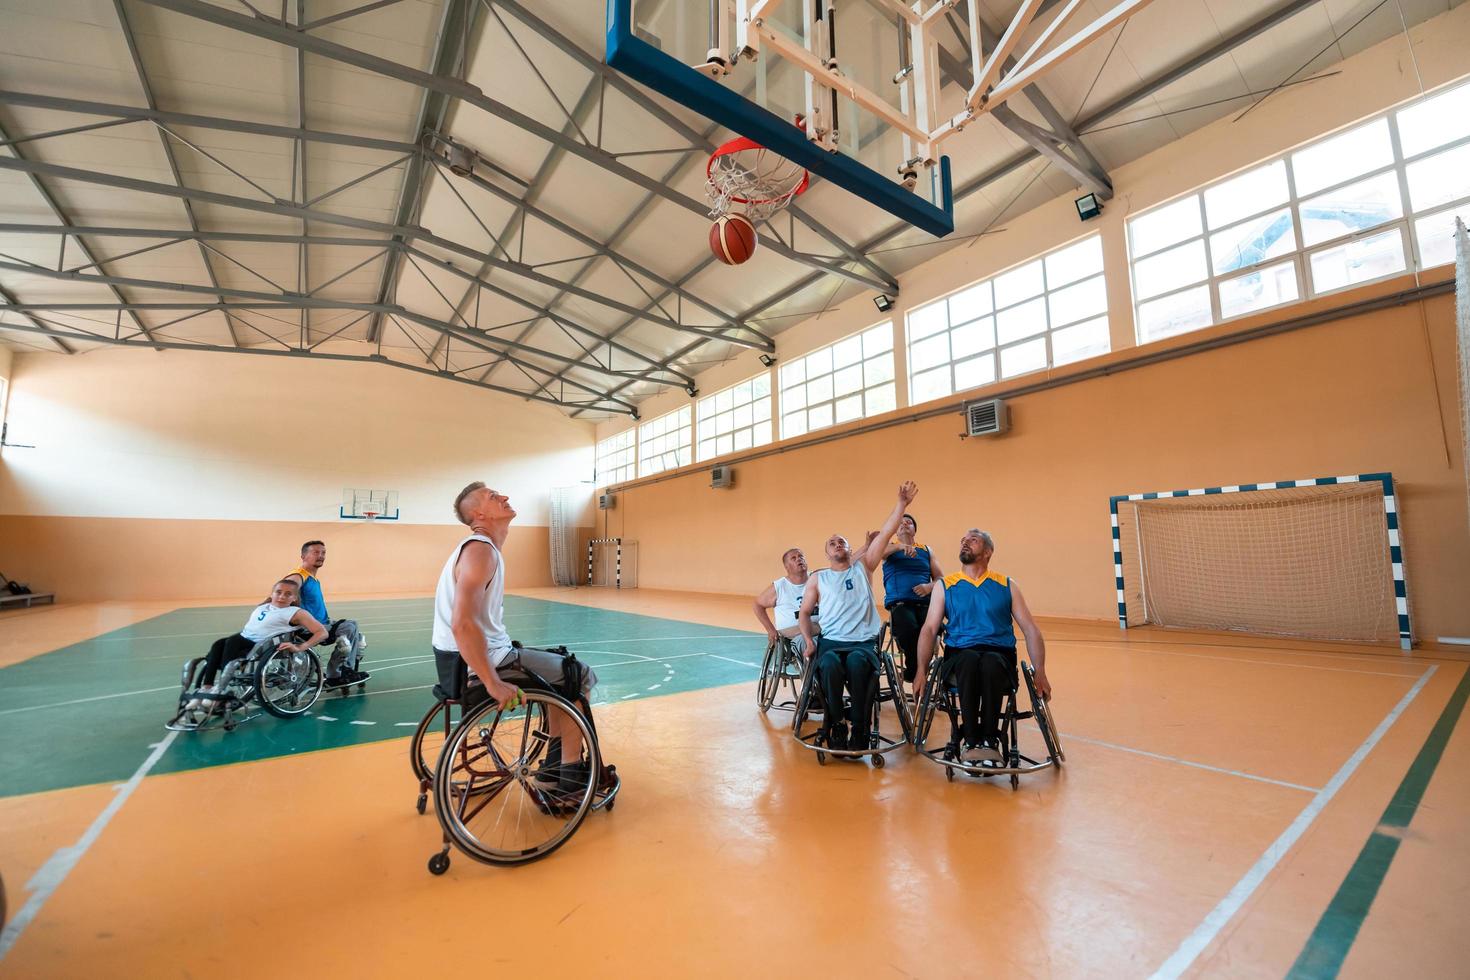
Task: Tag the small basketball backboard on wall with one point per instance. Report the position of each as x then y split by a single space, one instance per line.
369 505
849 91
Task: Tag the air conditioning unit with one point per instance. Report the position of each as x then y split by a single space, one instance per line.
721 478
606 501
987 418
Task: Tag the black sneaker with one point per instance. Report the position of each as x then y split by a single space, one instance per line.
548 772
574 777
837 738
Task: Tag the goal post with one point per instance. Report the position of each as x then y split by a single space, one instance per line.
612 562
1316 559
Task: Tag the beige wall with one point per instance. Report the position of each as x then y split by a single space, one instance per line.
1362 394
198 474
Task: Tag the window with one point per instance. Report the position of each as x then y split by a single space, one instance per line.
737 418
663 443
851 379
1047 312
615 458
1372 201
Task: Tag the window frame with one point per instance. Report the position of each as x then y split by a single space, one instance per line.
645 463
1301 255
783 409
753 428
998 347
599 457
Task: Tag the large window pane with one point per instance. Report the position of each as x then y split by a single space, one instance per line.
1438 120
972 338
1174 314
793 424
975 372
927 320
819 417
1342 157
970 303
1087 339
1023 358
1165 226
1021 321
877 370
881 399
877 339
846 352
1440 179
1252 242
1078 302
819 390
1258 290
1436 235
849 408
848 379
1356 207
1177 267
819 362
1018 284
1360 260
929 385
1074 262
1250 193
929 352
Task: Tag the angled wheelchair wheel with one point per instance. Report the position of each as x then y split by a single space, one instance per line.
493 801
770 679
288 684
1042 712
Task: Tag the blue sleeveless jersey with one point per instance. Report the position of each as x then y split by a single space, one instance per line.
312 599
901 573
977 612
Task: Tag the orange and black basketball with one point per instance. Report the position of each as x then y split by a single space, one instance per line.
732 238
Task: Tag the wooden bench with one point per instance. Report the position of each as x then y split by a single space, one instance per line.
30 599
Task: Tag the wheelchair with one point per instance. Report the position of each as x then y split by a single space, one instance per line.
942 695
781 667
482 764
878 742
284 683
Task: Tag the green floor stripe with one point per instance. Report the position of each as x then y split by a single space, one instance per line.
1336 931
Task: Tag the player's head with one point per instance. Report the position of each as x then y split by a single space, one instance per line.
907 526
284 593
794 561
838 549
478 504
313 555
976 545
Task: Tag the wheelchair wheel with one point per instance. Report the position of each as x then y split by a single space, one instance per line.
288 684
424 748
490 802
770 679
1042 712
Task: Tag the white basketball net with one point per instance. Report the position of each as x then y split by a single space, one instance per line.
757 181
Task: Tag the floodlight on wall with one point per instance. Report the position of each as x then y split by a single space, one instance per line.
883 302
767 360
462 160
1088 206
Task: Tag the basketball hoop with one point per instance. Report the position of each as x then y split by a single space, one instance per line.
745 173
369 514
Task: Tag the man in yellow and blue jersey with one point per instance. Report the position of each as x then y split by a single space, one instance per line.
976 606
348 642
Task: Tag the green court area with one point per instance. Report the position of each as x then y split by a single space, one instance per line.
88 712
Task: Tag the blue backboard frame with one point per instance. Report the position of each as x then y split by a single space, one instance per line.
641 61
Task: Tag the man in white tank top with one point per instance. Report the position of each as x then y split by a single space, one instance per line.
469 608
783 597
846 655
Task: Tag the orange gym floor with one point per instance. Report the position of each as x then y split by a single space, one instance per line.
1229 807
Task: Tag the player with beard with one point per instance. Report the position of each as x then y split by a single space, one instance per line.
976 606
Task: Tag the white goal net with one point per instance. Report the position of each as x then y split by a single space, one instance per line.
563 537
1310 562
1462 317
614 563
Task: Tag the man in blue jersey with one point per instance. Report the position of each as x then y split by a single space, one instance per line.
846 655
343 633
976 605
909 574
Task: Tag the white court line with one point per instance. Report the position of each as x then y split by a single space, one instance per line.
729 660
1186 762
60 864
1220 916
405 724
99 697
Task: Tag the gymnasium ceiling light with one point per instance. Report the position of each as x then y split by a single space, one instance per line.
884 302
1088 206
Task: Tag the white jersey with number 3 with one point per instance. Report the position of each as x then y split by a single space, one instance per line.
489 612
788 603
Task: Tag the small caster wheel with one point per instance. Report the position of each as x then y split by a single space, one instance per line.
229 726
949 773
610 805
439 863
1015 782
877 761
422 803
821 758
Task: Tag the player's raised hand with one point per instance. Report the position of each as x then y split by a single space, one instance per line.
907 491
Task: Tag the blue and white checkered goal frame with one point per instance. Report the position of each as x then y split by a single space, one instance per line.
1390 510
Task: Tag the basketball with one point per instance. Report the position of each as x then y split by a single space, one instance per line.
732 238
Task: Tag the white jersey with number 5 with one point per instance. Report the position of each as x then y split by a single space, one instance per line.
489 611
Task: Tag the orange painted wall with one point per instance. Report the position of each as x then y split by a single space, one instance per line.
141 558
1367 393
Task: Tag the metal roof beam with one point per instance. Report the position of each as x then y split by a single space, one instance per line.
474 96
